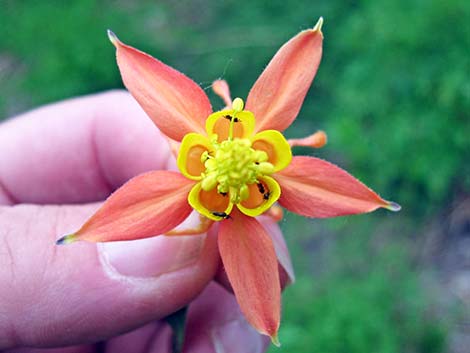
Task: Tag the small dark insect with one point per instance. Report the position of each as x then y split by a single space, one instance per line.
221 215
266 195
261 188
229 117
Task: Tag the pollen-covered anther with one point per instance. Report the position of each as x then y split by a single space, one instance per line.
237 105
232 167
265 168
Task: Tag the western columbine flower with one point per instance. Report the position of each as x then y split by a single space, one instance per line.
235 164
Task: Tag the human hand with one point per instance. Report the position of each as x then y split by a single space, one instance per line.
56 163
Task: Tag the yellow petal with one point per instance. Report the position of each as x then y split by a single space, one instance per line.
189 158
276 147
219 123
262 197
211 203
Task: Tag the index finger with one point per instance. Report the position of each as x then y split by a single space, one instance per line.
78 150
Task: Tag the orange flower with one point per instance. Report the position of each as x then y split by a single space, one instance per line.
235 164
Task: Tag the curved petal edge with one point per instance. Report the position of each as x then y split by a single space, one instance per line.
277 96
174 102
147 205
315 188
251 265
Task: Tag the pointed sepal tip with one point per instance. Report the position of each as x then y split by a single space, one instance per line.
112 37
275 340
393 206
66 239
319 25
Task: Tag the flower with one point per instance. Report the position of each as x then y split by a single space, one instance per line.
234 165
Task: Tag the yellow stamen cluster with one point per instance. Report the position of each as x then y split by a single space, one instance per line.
232 166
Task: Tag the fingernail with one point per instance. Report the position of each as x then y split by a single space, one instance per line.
238 336
151 257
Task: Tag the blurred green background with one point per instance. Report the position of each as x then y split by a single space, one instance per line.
393 94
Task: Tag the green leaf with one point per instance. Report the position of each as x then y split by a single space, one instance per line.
177 321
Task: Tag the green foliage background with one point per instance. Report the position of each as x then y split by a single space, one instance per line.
392 93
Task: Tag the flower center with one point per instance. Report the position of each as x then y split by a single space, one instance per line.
232 166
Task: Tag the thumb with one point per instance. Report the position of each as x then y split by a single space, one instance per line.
61 295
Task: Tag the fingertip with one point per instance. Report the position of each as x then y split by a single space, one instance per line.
64 296
116 140
215 323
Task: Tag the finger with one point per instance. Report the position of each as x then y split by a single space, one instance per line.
57 296
152 338
78 150
74 349
216 324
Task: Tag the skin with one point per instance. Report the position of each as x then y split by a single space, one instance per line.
56 164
